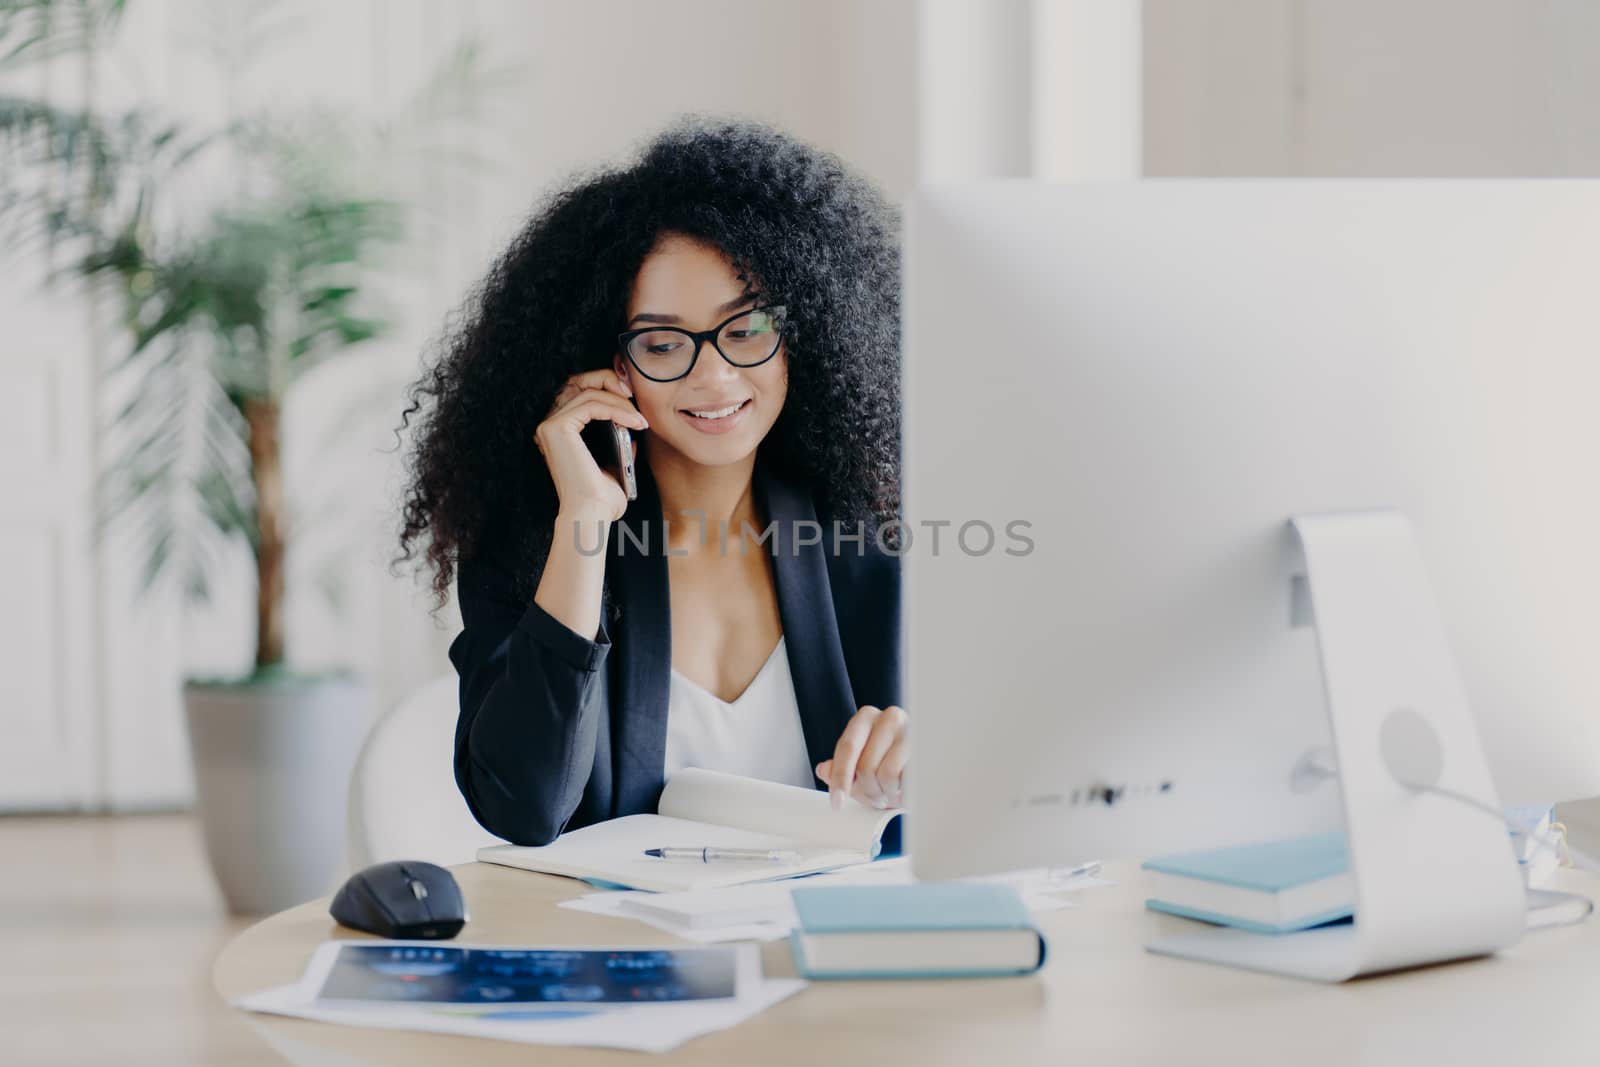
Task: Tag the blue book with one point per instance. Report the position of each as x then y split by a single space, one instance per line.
1273 888
933 930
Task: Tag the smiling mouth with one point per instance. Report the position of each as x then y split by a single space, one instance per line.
717 413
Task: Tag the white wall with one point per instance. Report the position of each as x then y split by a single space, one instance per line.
1372 88
1046 89
47 757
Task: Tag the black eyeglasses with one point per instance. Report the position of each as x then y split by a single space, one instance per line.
666 353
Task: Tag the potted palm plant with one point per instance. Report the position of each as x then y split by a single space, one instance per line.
222 311
223 325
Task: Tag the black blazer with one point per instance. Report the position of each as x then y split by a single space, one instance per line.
557 732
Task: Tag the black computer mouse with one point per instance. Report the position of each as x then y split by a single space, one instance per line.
407 900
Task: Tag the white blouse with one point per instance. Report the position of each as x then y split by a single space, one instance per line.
758 735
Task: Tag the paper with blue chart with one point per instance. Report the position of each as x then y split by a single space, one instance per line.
647 998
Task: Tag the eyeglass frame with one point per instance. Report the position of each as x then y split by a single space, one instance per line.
625 338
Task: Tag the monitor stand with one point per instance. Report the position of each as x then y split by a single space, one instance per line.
1435 878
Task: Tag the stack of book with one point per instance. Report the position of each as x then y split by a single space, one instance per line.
1273 888
1299 882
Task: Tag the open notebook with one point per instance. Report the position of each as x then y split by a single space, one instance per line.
700 807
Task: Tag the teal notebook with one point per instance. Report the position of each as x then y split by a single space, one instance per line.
935 930
1272 887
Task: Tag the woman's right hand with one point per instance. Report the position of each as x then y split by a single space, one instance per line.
584 489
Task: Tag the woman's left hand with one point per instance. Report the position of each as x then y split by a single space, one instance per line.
870 760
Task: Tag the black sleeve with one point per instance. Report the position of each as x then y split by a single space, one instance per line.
525 739
866 591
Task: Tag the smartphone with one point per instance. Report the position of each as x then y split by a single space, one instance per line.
612 448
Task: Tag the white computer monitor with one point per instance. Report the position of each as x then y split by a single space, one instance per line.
1155 377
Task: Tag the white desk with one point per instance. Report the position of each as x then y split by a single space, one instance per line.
1101 999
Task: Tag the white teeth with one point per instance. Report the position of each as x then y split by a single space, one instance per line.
718 414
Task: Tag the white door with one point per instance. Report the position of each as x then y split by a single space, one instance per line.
47 646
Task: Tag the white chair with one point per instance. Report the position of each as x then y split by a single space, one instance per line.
403 801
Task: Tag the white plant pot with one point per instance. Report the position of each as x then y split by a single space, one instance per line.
272 768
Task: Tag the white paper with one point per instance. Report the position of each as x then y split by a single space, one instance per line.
775 808
699 808
645 1028
765 911
614 851
613 904
752 903
641 1027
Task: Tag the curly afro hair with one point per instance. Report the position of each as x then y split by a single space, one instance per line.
797 225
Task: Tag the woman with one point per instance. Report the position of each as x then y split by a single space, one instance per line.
731 298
